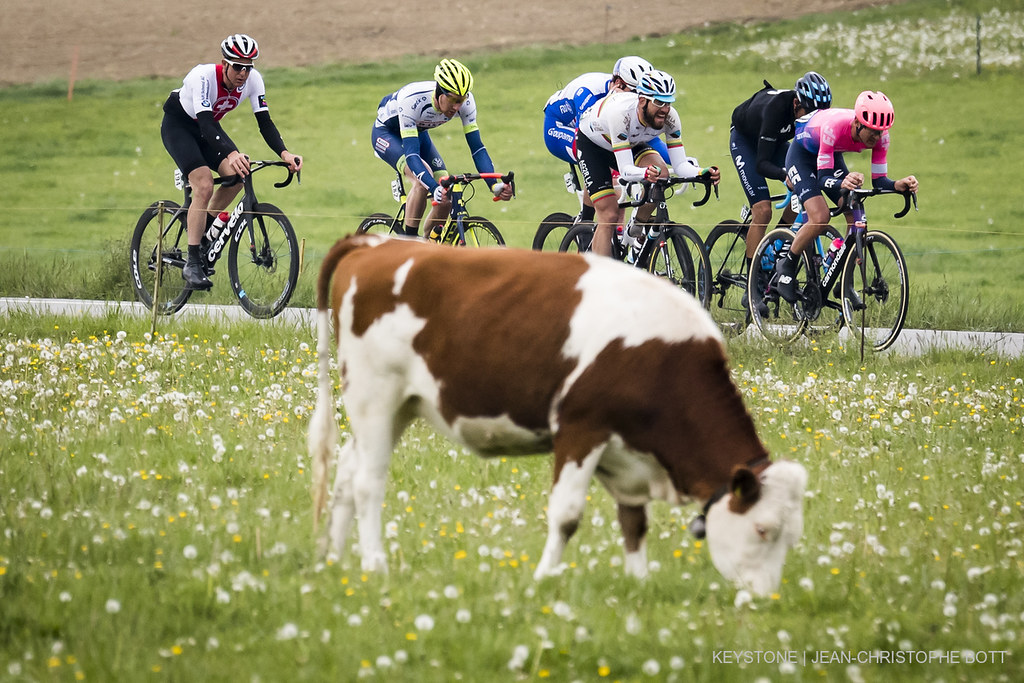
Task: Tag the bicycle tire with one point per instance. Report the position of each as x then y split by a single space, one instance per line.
263 262
142 253
551 231
678 255
578 239
780 322
377 224
727 254
882 290
479 232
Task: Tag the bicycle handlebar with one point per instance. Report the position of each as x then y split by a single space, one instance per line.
228 181
861 194
648 186
466 178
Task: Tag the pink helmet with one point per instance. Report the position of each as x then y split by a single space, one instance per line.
874 110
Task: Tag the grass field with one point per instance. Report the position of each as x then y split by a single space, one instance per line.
80 177
154 490
157 525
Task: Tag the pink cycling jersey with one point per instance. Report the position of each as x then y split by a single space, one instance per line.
828 131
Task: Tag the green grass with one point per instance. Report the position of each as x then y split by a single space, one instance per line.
155 501
81 176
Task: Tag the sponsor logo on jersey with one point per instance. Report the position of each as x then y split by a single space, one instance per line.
382 144
206 103
828 138
224 105
622 136
787 128
263 101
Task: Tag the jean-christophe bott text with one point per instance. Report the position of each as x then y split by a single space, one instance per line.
825 657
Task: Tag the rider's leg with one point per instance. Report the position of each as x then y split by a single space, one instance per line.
201 181
760 214
414 203
609 215
223 196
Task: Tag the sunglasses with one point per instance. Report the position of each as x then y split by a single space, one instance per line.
240 67
660 104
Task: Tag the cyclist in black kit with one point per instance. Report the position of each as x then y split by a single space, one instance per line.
762 127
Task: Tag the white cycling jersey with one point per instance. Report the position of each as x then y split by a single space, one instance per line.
613 124
203 90
411 109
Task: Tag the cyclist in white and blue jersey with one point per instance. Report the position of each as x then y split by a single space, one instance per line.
400 137
564 108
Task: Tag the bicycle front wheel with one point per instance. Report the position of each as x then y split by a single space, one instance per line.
777 320
144 257
551 231
578 239
727 254
876 291
263 262
376 224
678 255
479 232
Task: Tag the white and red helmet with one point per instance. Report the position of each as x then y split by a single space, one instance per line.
239 46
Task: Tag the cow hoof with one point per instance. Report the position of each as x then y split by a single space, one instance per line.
543 572
375 563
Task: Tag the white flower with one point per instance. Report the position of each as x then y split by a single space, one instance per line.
190 552
424 622
651 667
113 606
463 616
743 597
288 632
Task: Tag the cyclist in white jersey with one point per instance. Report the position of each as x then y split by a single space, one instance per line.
193 136
400 137
615 134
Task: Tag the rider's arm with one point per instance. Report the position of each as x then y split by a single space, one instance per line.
269 132
682 165
481 159
776 115
256 91
415 162
880 166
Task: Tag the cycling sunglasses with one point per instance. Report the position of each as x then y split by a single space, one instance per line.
240 67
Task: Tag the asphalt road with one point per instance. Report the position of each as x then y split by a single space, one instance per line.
910 342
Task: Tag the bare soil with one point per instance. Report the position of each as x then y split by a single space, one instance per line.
121 39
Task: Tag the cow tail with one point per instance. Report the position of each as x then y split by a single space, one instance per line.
322 438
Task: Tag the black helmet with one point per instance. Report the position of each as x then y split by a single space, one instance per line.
813 92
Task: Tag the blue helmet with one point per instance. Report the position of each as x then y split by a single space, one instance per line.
813 92
657 85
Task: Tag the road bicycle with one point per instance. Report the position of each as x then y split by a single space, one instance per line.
458 228
667 249
262 251
726 249
864 281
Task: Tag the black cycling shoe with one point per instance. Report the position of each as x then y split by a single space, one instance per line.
195 277
762 286
785 283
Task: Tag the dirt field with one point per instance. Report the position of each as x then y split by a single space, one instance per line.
120 39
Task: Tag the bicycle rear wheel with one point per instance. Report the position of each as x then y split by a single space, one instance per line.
578 239
678 255
263 262
479 232
726 249
376 224
551 231
876 291
143 257
777 320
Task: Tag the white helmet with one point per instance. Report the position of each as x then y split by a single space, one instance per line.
630 69
239 46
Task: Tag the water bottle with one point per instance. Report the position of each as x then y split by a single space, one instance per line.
833 249
769 255
218 224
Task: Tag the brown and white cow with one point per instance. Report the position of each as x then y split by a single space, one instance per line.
515 352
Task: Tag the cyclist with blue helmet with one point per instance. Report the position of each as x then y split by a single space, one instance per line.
616 134
762 127
565 106
401 137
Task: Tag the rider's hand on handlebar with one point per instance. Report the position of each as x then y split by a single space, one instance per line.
238 162
713 173
294 161
652 173
853 181
440 195
502 191
906 184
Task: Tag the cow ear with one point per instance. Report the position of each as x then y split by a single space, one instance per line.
745 488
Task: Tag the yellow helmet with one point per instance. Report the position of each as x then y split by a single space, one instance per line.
453 77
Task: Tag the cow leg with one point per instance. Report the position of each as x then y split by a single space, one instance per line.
343 506
565 507
375 441
633 520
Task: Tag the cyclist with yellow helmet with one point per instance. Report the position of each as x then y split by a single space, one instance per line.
401 138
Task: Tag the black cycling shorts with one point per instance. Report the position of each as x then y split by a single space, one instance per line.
184 142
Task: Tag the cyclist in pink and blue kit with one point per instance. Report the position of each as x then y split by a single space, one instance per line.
815 165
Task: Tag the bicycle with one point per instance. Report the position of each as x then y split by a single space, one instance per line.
263 277
459 228
868 267
668 249
726 249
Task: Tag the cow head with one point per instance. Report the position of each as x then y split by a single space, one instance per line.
750 528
